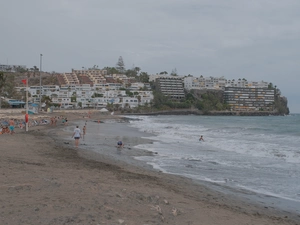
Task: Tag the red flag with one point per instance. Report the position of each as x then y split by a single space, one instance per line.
24 81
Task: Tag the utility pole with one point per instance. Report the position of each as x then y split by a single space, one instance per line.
26 115
40 105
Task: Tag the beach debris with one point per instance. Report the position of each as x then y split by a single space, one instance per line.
157 208
66 143
118 195
166 202
174 212
121 221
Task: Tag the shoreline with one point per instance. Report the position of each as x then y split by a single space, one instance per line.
244 195
60 184
260 200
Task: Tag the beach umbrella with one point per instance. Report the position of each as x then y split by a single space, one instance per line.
103 110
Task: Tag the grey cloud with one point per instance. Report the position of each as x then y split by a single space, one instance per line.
234 38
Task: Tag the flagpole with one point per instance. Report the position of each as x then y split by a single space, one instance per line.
26 116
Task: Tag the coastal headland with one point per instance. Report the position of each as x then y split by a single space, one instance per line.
45 180
210 113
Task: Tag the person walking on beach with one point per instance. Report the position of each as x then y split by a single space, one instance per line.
201 138
77 136
83 131
11 126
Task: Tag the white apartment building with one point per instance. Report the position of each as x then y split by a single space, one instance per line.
153 77
90 71
121 77
50 90
136 86
146 97
114 94
107 86
35 90
61 100
130 102
204 82
219 83
93 102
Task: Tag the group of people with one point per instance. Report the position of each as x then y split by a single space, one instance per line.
8 128
77 135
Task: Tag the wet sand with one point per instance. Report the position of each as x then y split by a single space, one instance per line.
46 180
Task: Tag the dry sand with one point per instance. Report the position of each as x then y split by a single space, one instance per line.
44 181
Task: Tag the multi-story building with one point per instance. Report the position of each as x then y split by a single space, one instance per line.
129 102
249 98
50 90
136 86
120 78
145 97
216 83
107 86
201 82
63 101
70 78
90 71
171 86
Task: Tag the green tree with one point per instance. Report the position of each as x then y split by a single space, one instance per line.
270 86
159 100
73 98
120 65
133 72
174 72
137 69
2 84
47 100
8 90
111 70
20 69
129 93
35 70
144 77
163 73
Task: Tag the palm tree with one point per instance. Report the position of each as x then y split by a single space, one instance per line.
34 69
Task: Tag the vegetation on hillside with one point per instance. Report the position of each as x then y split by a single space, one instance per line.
204 100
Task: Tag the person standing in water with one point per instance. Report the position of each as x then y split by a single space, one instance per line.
77 136
201 138
120 144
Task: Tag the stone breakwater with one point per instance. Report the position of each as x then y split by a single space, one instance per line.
248 113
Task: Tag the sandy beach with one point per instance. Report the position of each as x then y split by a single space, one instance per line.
46 180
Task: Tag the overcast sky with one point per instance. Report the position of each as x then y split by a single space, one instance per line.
256 40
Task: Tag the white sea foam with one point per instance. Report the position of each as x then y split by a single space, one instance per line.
235 149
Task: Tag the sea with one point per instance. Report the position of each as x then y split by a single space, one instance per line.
254 155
